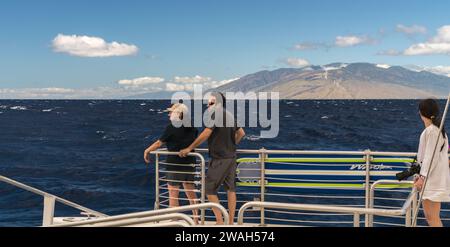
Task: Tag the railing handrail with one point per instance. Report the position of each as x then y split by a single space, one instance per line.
339 209
307 152
367 155
333 209
170 224
318 208
151 213
172 217
45 194
405 206
315 152
164 151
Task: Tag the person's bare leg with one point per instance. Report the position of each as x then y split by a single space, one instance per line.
217 213
174 191
432 211
190 194
231 205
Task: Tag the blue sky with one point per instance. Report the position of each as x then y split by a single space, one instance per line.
214 40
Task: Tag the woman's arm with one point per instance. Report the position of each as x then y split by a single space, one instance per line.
430 144
150 149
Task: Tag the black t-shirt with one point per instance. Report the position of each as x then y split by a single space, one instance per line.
222 142
177 139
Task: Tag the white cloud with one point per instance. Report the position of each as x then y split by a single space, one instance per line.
297 62
383 66
85 46
32 93
428 49
174 87
440 44
54 90
67 93
441 70
183 86
410 30
195 79
306 46
122 90
390 52
141 81
214 84
347 41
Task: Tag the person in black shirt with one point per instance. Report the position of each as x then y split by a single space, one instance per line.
183 172
223 135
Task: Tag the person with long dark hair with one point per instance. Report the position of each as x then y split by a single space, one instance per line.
435 170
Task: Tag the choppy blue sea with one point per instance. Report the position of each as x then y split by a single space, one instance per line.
91 152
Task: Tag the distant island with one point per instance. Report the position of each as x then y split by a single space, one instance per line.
338 81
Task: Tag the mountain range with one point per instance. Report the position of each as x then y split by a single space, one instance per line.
344 81
338 81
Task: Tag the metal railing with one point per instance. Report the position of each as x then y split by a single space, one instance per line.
170 214
412 200
202 179
49 202
357 212
149 216
173 217
367 158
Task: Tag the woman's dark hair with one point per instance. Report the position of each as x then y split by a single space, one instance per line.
429 108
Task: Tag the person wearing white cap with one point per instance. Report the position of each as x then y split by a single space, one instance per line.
176 136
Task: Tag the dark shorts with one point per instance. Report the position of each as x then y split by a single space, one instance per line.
221 171
176 175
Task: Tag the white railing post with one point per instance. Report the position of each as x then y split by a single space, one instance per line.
415 204
49 210
408 217
156 181
367 185
262 157
371 205
203 189
356 220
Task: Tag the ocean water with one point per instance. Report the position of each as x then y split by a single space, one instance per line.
91 152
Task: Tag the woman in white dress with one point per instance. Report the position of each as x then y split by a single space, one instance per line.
437 188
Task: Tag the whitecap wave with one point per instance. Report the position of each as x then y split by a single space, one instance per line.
252 138
18 108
